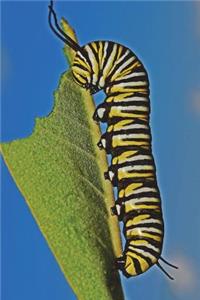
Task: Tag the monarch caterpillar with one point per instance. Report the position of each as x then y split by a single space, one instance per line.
118 71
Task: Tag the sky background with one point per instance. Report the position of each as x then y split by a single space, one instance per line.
166 37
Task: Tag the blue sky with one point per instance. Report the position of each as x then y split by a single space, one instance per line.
166 37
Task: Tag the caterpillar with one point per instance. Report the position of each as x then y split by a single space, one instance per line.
109 66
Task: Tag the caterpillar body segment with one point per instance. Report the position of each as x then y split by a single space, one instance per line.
128 139
109 66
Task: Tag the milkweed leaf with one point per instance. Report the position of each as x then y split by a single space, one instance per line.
59 171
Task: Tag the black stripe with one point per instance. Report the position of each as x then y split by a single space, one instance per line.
131 131
114 120
136 94
112 134
137 266
77 79
129 103
118 65
80 66
141 195
135 213
147 225
149 240
145 83
131 139
140 151
139 162
156 234
94 52
126 181
149 250
131 79
140 69
149 203
86 56
120 149
134 111
108 53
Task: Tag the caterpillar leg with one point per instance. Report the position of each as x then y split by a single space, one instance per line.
111 176
117 210
101 113
120 265
119 262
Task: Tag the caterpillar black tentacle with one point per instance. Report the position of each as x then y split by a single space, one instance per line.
109 66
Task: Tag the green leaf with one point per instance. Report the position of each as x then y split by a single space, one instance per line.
59 171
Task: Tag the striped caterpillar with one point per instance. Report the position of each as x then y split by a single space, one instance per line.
117 70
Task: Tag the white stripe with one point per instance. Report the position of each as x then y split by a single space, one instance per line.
102 79
139 157
83 57
147 221
122 57
150 246
143 199
130 84
139 230
133 126
136 98
151 229
147 254
134 74
124 65
144 189
131 107
136 168
110 59
131 136
140 190
93 62
104 54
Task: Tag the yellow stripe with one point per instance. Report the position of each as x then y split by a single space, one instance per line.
110 62
116 113
81 62
120 48
100 53
152 236
121 89
123 157
131 187
138 242
126 71
143 264
137 220
134 175
120 143
131 207
93 60
119 125
129 266
79 78
119 97
128 174
78 71
94 45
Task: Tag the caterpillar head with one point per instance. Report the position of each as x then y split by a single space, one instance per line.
81 69
82 72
